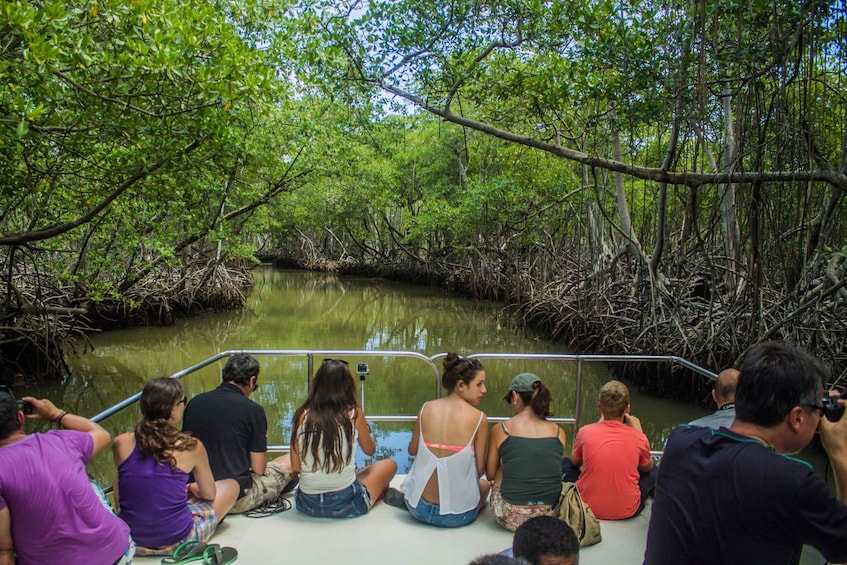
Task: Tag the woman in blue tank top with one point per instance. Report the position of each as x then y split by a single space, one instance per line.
525 456
154 462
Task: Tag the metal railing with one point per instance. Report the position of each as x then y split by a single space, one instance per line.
430 361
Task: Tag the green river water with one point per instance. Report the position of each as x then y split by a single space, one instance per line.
318 311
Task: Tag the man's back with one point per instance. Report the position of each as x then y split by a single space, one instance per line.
56 515
724 498
231 426
720 418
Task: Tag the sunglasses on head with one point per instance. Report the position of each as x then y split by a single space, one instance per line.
335 360
22 405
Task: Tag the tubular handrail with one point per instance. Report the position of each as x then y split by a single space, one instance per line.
310 355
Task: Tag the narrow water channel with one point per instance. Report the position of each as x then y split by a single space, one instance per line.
309 311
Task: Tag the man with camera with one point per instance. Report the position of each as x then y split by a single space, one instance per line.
234 431
45 492
735 496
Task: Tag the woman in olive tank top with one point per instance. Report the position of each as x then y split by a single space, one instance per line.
525 456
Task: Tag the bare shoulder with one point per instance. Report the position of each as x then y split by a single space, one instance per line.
122 446
124 437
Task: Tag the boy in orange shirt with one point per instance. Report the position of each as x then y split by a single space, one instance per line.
611 462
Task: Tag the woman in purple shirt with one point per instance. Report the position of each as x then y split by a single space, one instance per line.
152 490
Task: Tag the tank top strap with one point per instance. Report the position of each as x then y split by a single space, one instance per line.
506 430
476 429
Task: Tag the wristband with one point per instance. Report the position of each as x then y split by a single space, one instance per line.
58 419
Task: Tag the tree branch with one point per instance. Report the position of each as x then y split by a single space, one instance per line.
22 238
686 178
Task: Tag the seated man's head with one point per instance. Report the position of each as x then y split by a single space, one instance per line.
780 385
614 400
545 540
241 369
725 385
10 416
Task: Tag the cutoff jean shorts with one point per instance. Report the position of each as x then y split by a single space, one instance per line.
349 502
431 514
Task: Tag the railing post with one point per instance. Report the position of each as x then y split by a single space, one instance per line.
577 413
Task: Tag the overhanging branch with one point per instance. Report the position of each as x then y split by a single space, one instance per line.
684 178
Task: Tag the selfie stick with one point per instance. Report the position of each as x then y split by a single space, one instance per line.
362 369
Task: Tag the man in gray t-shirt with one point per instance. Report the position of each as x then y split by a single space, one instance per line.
724 396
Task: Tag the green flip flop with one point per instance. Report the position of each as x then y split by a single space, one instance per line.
217 555
187 552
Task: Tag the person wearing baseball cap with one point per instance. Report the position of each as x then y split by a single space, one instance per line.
525 455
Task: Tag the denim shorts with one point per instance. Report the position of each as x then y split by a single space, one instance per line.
345 503
429 514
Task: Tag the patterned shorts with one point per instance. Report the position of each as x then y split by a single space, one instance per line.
205 524
511 516
265 487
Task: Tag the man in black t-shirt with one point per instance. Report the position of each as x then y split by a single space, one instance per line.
234 431
734 496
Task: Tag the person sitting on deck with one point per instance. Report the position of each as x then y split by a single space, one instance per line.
525 456
325 428
49 512
733 496
724 396
443 487
154 463
545 540
617 472
234 431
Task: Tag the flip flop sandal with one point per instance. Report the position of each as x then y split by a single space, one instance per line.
217 555
187 552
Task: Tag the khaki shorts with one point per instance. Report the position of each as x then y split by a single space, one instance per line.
265 488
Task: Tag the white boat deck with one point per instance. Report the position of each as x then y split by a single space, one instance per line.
391 535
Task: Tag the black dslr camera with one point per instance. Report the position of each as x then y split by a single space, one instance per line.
831 409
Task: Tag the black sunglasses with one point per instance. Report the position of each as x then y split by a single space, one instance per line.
346 364
22 405
821 410
473 363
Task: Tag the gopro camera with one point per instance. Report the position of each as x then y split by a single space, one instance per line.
362 369
831 409
26 407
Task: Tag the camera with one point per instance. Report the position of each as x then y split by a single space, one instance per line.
26 407
831 409
362 369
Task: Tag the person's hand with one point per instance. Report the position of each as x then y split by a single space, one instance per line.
834 434
632 421
43 409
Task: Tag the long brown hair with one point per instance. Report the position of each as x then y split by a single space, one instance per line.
330 399
155 435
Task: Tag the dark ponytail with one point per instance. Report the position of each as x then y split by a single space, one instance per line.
539 400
